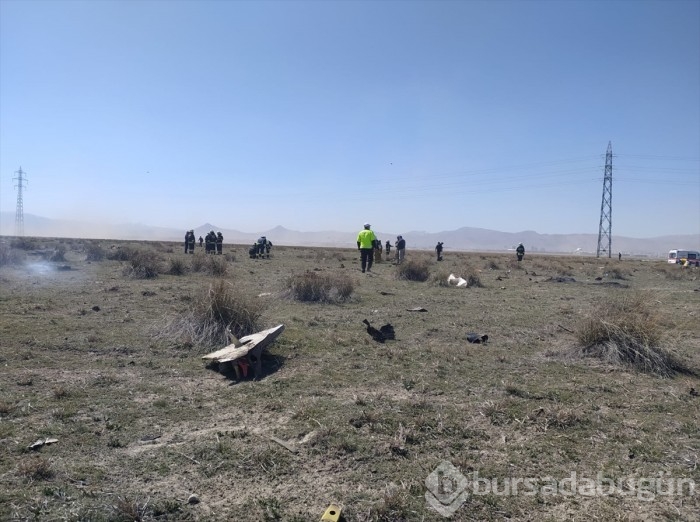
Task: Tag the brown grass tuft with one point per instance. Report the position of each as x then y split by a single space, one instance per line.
35 468
414 270
627 331
212 313
313 287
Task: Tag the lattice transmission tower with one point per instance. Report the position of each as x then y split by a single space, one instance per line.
605 227
19 214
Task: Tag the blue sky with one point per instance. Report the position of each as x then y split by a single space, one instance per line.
323 115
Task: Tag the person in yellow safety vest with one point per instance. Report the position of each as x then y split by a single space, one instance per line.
365 244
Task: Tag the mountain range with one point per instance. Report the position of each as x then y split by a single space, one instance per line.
461 239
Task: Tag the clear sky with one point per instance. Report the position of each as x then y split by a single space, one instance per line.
321 115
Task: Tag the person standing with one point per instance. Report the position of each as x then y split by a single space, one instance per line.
262 240
187 240
219 243
377 251
210 242
190 242
400 249
365 244
520 252
388 249
438 251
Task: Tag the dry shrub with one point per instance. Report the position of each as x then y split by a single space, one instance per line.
123 253
177 266
470 274
6 408
217 266
313 287
472 278
57 255
492 265
11 256
212 313
211 264
413 270
394 506
130 510
199 262
37 468
627 331
144 264
23 243
94 252
440 278
677 272
616 273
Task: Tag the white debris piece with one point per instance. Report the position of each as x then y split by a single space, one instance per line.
458 281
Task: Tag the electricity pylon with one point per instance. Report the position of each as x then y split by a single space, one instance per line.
605 227
19 215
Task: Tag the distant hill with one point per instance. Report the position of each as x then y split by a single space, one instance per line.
462 239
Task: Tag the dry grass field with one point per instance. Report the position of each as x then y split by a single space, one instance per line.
585 396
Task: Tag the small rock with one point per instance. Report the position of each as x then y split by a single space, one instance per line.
95 308
193 499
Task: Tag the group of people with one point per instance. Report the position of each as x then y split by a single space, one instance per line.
371 248
260 249
214 242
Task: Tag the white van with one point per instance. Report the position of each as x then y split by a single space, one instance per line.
676 256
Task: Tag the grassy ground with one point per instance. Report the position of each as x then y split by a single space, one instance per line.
88 358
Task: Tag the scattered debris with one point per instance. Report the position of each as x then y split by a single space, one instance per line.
332 514
694 392
40 443
384 333
477 338
458 281
282 443
246 351
385 293
264 294
149 438
417 309
63 267
95 308
148 293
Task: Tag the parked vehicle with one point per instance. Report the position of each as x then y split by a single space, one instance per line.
678 256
